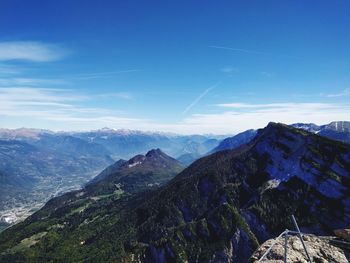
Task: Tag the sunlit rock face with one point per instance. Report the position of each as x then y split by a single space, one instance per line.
320 249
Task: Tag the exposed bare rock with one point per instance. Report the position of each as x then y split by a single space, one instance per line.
321 250
343 233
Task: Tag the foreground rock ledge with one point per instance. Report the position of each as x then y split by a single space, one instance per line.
321 249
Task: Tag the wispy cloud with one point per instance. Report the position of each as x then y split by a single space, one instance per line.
273 106
241 50
250 51
119 95
343 93
20 81
193 103
6 69
108 74
68 110
65 108
29 94
31 51
242 116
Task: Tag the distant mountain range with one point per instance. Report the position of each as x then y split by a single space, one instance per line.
38 164
119 144
217 210
337 130
125 143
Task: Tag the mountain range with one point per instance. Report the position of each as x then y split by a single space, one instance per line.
116 143
127 143
36 165
216 210
337 130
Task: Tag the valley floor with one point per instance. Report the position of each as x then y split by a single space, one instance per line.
18 206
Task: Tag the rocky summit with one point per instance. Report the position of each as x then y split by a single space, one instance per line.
322 249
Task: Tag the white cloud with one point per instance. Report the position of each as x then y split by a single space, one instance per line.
96 75
29 94
29 81
30 50
275 106
61 109
250 117
343 93
58 108
242 116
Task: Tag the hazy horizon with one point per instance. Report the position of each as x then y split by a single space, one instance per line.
126 130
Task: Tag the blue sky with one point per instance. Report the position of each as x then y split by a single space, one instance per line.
180 66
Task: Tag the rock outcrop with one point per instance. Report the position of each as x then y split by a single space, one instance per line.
321 249
343 233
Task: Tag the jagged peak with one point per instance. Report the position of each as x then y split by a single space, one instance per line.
140 158
136 159
278 132
278 126
155 152
273 127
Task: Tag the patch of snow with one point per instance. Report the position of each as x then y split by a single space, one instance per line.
134 164
274 183
9 218
155 184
